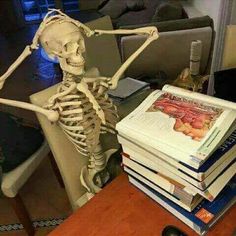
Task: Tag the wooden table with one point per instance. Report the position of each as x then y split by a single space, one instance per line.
122 210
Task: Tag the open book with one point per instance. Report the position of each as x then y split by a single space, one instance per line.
184 125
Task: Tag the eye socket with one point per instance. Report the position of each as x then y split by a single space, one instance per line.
71 46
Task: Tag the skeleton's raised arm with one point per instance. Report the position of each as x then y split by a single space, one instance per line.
152 34
27 51
48 19
51 115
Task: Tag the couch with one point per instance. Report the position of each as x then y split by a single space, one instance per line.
128 12
170 53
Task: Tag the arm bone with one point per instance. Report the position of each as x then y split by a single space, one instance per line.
152 35
52 116
27 51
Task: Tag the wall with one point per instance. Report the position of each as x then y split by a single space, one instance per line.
209 7
233 17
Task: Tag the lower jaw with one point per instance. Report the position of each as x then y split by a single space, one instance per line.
76 72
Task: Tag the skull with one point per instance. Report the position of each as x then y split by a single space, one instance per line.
64 41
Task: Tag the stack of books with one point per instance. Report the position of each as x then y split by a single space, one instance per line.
179 147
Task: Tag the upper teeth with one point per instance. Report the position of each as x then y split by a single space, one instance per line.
75 64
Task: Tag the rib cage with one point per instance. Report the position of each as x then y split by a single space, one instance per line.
78 118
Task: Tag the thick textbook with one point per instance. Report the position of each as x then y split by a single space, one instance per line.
184 125
209 169
169 185
210 193
164 167
187 206
205 215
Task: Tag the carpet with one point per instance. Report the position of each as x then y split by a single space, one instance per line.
36 223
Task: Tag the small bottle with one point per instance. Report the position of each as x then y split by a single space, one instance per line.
195 58
190 78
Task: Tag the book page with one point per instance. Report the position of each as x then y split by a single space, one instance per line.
179 122
200 97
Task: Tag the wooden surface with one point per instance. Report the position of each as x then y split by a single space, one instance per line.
121 209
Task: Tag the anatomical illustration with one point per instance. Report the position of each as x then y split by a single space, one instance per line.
191 118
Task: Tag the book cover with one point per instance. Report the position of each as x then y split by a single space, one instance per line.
180 127
204 215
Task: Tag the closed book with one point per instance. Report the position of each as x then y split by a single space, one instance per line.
183 125
163 168
189 206
210 169
173 187
210 193
205 215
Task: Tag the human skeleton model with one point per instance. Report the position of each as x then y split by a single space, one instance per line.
81 106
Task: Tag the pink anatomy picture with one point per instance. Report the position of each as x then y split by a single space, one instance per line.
191 118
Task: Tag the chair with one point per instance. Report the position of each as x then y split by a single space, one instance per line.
13 181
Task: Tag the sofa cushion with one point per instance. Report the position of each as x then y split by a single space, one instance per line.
168 11
135 5
114 8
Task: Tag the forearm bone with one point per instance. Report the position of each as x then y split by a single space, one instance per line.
152 34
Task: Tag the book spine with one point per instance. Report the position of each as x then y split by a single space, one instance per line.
221 168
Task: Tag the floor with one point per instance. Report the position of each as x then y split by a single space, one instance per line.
44 200
43 196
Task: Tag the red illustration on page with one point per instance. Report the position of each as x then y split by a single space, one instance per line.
191 118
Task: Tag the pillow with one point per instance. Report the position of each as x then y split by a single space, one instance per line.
17 142
168 11
114 8
135 5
